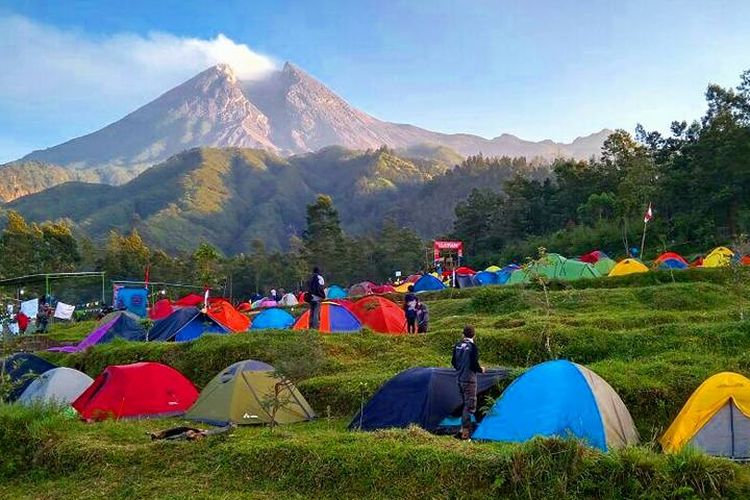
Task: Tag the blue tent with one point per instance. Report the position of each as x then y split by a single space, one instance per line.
335 292
428 283
125 327
560 398
672 264
483 278
465 281
184 324
420 396
22 369
273 318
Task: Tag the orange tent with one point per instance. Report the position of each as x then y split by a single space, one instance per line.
381 315
745 260
227 316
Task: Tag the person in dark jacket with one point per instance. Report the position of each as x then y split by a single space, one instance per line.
423 317
410 310
316 294
466 363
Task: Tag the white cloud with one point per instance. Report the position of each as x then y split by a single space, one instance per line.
47 68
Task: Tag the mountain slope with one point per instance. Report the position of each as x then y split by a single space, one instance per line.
289 112
233 196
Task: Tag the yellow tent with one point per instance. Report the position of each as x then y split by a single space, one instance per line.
719 257
628 266
492 269
721 403
403 287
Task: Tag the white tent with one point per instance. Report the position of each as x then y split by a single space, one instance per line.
57 386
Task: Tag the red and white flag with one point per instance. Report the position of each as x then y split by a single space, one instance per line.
649 214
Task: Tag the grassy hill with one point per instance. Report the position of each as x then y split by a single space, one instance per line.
653 337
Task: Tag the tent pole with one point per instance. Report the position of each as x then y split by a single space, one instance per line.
643 239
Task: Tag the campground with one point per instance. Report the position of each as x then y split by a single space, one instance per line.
654 337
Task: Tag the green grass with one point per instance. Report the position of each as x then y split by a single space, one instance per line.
653 341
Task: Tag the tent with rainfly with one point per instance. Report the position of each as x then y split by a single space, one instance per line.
719 257
60 386
227 316
121 326
380 315
672 257
361 289
503 275
243 394
135 391
419 396
183 325
22 368
593 257
483 278
715 419
554 267
604 266
628 266
560 398
161 309
428 283
272 319
334 318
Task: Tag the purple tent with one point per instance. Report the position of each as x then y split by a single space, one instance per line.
122 326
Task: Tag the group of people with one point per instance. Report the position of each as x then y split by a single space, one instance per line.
20 321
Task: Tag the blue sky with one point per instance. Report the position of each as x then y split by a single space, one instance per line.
536 69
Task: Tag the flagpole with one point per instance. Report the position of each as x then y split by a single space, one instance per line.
643 239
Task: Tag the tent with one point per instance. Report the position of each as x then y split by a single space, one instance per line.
554 267
503 275
483 278
628 266
404 287
244 393
560 398
59 386
593 257
716 418
288 300
273 318
745 261
245 307
671 264
719 257
380 315
116 314
361 289
184 324
335 292
383 289
190 300
227 316
162 308
671 256
334 318
22 368
413 278
121 326
428 283
604 266
418 396
136 390
465 280
493 269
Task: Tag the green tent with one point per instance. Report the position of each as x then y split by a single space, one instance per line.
245 393
604 266
554 267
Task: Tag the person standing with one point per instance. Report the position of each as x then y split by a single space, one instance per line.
410 310
315 295
423 317
466 363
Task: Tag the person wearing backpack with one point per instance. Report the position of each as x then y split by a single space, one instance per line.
315 295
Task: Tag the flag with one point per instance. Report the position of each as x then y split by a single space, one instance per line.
649 214
205 299
64 311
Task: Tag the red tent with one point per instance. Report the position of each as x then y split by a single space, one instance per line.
463 270
593 257
382 289
380 315
245 307
361 289
413 278
227 316
162 308
137 390
190 300
745 260
670 255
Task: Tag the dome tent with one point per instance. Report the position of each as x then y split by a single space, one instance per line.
183 325
56 386
380 315
240 394
560 398
715 419
122 326
335 292
334 318
628 266
428 283
554 267
719 257
420 396
272 319
135 391
22 368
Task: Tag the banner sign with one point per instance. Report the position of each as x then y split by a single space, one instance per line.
439 245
